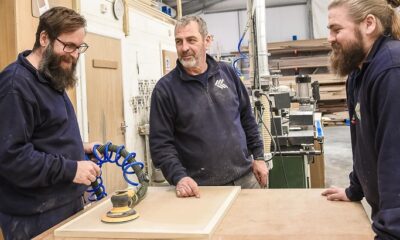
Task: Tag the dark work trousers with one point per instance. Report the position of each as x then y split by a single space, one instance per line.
27 227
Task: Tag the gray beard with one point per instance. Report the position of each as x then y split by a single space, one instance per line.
188 64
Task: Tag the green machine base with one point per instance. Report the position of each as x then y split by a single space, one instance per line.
289 172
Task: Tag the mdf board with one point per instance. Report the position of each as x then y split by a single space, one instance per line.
162 216
169 61
105 100
293 214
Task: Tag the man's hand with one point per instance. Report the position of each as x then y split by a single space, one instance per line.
335 194
260 171
88 147
86 172
187 187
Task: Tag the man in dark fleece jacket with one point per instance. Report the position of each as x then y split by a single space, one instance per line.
202 130
42 177
364 35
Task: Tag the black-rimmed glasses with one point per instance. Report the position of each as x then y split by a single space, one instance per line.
70 47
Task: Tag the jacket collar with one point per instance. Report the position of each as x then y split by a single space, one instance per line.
375 48
212 65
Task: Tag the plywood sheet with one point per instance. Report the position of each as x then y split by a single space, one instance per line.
293 214
162 216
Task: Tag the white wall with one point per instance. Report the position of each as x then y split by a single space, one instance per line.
142 64
282 24
320 18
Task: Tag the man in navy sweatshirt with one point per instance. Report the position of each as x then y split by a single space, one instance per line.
42 175
202 130
364 35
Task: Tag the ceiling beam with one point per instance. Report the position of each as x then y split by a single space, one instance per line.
196 6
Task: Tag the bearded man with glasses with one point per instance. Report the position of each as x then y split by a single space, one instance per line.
42 172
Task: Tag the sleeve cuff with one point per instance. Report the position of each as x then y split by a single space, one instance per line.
258 154
70 170
353 195
177 177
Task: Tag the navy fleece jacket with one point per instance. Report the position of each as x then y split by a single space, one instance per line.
373 94
205 131
40 143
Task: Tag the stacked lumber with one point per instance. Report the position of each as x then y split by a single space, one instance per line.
313 45
299 45
299 62
336 118
310 57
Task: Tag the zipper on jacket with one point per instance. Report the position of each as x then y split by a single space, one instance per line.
208 93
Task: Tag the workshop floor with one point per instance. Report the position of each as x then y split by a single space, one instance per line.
338 158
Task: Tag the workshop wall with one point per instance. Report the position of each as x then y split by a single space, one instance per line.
282 23
143 66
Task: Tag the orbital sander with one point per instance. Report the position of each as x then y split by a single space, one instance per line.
122 210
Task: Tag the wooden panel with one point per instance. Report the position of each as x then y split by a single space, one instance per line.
293 214
169 60
7 33
317 169
105 102
98 63
72 96
276 214
162 216
26 24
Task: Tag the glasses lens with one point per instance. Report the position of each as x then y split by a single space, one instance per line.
82 48
69 48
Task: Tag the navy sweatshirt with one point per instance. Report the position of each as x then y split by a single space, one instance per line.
204 131
373 94
40 143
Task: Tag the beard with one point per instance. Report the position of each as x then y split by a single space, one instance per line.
191 63
347 57
50 66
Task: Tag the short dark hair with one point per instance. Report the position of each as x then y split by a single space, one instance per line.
56 21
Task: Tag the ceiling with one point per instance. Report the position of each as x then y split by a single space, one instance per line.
213 6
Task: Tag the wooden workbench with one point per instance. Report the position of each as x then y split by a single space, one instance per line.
283 214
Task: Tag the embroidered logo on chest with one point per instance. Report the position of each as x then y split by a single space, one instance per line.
220 84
